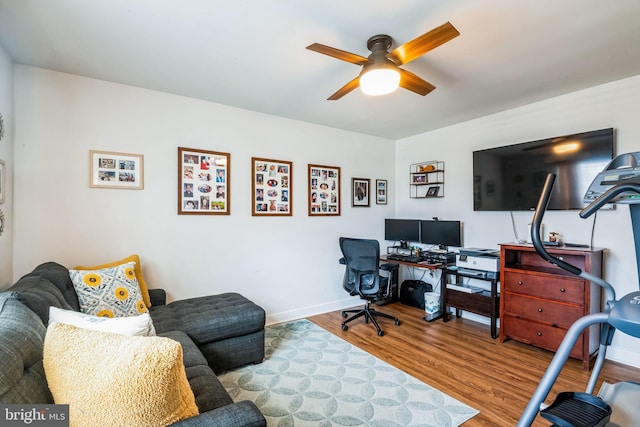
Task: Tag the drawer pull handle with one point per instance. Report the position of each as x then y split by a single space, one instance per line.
563 290
539 333
520 282
539 310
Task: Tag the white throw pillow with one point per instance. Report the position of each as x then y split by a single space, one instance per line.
133 325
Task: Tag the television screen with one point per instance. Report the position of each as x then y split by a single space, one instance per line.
511 178
407 230
441 233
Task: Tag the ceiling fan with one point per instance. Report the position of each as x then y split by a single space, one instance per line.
381 62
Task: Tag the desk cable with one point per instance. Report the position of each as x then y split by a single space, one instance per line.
424 271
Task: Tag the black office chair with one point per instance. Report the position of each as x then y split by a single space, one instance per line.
361 277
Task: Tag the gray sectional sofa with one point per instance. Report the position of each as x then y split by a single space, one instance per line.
217 333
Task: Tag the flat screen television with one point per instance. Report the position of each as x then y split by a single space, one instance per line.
511 178
402 230
441 233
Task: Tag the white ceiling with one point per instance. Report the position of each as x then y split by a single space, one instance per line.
251 53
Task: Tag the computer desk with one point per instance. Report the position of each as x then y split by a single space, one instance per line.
486 303
428 266
420 264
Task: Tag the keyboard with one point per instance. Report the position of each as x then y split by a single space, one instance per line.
405 258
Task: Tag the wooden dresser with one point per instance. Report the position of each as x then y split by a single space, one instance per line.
539 301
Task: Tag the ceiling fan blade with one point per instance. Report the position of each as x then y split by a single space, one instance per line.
410 81
339 54
423 44
353 84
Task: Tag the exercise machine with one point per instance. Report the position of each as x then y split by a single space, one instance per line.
618 183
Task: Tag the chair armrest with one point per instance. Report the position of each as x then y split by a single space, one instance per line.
240 414
158 296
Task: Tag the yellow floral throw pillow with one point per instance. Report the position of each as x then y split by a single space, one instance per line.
109 379
138 269
109 292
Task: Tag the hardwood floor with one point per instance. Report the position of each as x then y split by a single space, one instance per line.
461 359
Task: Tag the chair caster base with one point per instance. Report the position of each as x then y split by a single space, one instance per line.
370 315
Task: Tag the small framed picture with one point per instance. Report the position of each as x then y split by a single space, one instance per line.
116 170
381 191
360 192
271 187
433 191
418 178
324 190
204 182
2 181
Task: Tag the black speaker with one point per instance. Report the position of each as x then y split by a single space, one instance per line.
412 292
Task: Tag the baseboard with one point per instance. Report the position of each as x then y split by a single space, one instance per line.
303 312
477 318
623 356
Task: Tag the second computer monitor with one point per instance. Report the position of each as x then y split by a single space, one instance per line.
441 233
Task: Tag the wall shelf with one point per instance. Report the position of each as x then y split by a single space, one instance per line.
426 180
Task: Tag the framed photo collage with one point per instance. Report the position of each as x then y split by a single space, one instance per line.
324 190
109 169
203 183
271 187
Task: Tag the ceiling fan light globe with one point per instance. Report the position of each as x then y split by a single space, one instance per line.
379 81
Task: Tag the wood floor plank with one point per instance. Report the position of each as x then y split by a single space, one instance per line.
461 359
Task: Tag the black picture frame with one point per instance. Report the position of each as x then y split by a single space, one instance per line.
381 191
360 192
433 191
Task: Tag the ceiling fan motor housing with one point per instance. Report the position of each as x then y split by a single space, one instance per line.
379 46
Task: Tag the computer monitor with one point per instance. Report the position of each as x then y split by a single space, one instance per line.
441 233
402 230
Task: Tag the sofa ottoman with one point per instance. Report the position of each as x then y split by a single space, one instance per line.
227 328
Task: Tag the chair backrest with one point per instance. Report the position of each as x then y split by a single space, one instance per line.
361 258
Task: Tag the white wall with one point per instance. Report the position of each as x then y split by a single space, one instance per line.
288 265
614 105
6 154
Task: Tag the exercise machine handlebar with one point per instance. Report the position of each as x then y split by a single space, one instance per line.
543 202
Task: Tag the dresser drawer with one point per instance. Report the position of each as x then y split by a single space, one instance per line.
565 289
543 336
557 314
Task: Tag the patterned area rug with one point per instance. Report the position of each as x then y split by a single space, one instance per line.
311 377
